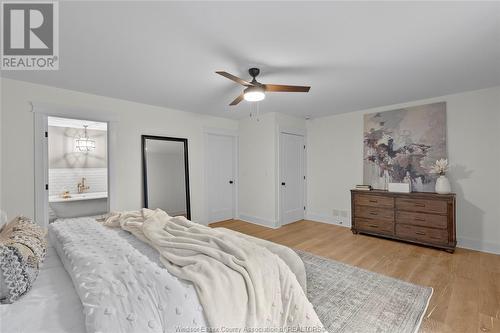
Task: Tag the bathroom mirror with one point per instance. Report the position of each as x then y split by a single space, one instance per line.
166 174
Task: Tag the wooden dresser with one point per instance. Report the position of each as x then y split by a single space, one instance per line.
417 217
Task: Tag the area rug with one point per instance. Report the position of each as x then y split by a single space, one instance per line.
354 300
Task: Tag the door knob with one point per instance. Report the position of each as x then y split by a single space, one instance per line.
283 184
230 182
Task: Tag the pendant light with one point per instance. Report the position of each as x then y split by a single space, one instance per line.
84 144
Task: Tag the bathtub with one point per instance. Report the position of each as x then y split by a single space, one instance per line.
79 204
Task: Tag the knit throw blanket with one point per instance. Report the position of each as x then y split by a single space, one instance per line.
240 284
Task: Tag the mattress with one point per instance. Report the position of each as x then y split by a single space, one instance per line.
53 304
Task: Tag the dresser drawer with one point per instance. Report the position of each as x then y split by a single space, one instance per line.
422 219
374 201
422 234
379 227
422 205
368 212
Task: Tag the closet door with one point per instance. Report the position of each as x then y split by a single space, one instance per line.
221 182
292 177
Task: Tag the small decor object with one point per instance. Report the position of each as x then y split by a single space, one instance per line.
399 187
363 187
401 145
442 183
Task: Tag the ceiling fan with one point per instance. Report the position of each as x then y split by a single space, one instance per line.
255 91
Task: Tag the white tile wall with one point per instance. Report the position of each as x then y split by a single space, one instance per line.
61 180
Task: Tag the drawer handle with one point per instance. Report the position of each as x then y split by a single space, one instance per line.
373 213
372 200
419 205
419 219
420 233
373 225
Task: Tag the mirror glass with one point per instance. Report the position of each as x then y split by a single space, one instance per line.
166 178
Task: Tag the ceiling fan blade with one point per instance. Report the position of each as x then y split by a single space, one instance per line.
237 100
234 78
283 88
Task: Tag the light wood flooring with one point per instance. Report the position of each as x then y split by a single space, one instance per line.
466 284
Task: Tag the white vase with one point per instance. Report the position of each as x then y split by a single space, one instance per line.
443 185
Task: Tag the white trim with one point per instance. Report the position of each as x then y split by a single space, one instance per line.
292 131
221 131
73 112
258 220
478 245
327 219
41 112
41 171
235 135
112 167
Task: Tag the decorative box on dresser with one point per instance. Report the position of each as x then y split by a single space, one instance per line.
417 217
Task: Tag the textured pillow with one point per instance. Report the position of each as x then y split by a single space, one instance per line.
23 247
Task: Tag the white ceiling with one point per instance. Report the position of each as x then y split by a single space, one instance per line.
355 55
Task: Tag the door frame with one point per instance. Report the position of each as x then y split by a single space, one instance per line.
41 112
233 134
279 196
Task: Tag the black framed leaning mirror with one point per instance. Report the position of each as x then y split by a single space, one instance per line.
166 174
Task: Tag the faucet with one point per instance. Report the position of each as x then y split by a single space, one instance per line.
81 186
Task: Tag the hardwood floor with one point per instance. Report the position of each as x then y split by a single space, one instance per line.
466 284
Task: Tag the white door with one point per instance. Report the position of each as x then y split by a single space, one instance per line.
292 177
221 182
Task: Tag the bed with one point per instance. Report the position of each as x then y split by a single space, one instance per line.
58 303
97 278
53 304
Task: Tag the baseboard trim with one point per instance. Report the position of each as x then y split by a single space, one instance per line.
327 219
258 220
478 245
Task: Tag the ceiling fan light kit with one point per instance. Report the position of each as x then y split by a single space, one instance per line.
256 91
254 94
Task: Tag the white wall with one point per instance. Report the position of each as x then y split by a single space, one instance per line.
1 146
62 152
67 179
132 120
335 153
259 166
257 172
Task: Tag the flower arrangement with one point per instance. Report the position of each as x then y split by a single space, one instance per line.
440 167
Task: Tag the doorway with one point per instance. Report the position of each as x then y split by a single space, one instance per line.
221 179
71 168
292 177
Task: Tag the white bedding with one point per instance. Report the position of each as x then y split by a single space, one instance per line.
51 306
121 289
54 305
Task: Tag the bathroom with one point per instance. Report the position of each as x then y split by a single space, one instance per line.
77 168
